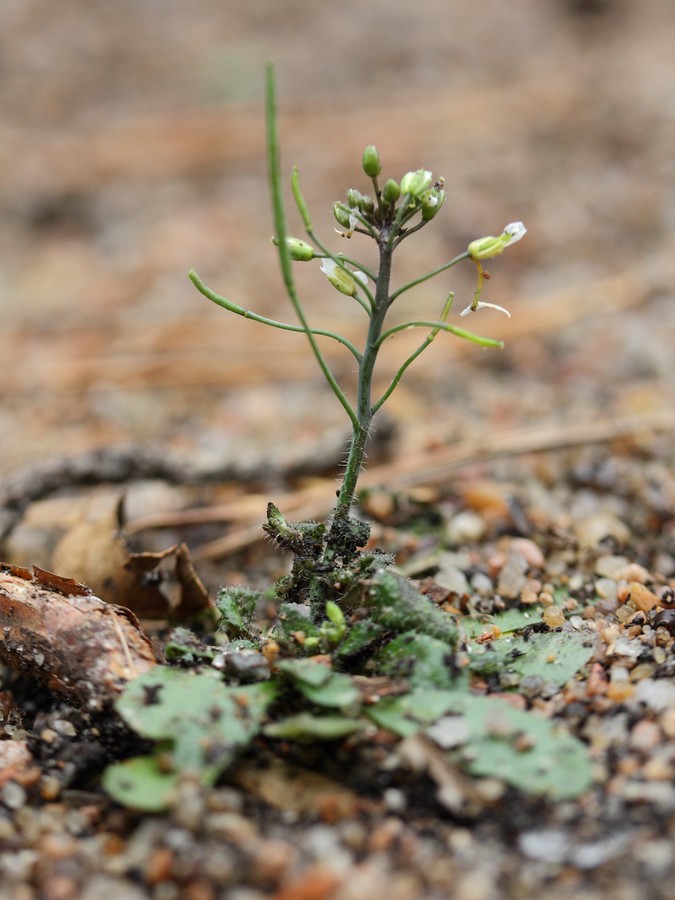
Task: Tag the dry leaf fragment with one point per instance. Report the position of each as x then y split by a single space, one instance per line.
155 597
55 631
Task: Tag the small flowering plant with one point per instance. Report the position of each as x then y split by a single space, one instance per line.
342 613
393 211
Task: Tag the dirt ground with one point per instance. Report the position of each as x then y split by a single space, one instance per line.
131 149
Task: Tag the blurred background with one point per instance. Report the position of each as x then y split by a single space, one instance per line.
132 148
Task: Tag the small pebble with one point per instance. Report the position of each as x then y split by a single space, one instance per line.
667 722
606 589
488 497
633 572
225 799
490 790
642 670
608 566
385 834
545 845
512 577
273 858
57 846
657 695
546 598
59 887
530 591
591 530
529 551
453 580
12 795
660 655
665 619
657 769
619 692
354 834
64 728
553 616
642 597
610 634
482 584
466 527
645 736
159 865
395 800
450 731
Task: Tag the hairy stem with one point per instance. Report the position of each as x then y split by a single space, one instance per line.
364 408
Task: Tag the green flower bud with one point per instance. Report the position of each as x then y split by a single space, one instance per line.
391 191
333 611
366 204
487 247
431 203
371 161
341 213
298 250
416 183
354 197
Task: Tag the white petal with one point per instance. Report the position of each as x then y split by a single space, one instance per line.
361 276
516 231
481 305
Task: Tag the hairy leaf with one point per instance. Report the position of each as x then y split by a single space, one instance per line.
555 657
307 727
425 661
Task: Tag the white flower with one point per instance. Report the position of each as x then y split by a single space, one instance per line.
487 247
416 183
344 281
353 222
481 305
516 231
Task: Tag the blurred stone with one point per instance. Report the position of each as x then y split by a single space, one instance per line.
591 530
466 527
512 577
530 552
607 566
553 616
643 598
452 580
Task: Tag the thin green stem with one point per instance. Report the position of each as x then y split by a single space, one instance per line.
274 171
230 306
403 213
409 231
365 306
299 199
445 312
432 274
397 377
443 326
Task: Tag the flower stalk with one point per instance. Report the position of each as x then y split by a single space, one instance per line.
397 210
